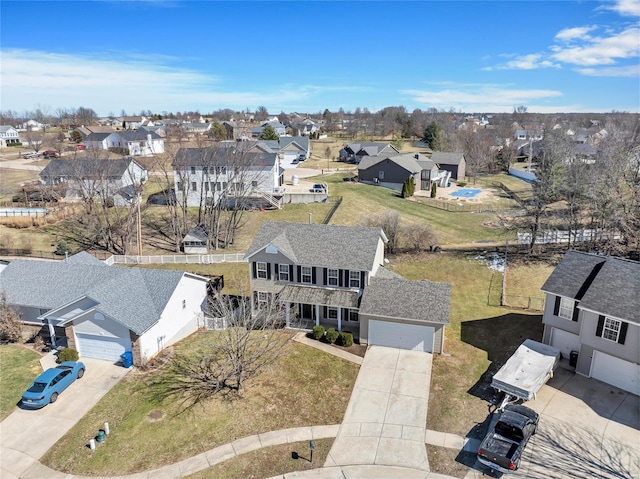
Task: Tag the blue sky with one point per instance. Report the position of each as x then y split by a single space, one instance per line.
305 56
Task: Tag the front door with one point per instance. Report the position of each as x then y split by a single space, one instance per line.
307 311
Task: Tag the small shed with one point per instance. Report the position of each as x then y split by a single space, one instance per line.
195 241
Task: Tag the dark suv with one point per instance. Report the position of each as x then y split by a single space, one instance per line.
50 154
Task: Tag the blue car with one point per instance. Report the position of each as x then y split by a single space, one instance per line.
46 387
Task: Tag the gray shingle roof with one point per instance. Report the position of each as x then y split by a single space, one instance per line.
330 246
339 298
137 135
604 284
86 168
254 153
135 297
401 298
407 161
447 158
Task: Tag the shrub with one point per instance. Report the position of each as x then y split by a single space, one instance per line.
318 332
68 354
62 248
462 183
434 190
38 343
346 339
10 325
332 335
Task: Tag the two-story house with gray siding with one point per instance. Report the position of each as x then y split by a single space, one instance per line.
593 310
393 170
334 276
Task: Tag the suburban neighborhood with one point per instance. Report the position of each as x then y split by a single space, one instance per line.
263 240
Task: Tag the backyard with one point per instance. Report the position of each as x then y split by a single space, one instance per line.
19 366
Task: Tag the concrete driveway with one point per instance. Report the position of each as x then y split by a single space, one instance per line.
27 434
385 420
588 429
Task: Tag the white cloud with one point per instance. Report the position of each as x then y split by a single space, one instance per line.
488 97
129 82
624 7
626 71
525 62
601 50
575 33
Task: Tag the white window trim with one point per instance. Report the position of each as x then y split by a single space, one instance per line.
566 304
261 269
303 274
283 272
331 277
263 299
353 281
609 326
353 311
330 310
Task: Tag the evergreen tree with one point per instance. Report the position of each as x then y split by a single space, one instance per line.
268 133
433 136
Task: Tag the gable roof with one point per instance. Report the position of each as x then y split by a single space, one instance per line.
87 168
447 158
330 246
402 298
251 154
137 135
604 284
6 128
196 234
407 161
135 297
97 136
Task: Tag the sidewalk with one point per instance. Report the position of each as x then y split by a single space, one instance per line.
301 337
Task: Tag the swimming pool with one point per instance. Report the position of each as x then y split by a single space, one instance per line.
465 193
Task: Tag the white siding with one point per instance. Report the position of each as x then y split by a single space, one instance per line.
617 372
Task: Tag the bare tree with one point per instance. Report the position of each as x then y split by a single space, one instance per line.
10 325
252 339
389 222
419 236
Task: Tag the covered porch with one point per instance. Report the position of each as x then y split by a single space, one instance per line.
308 306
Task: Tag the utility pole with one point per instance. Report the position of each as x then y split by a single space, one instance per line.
139 199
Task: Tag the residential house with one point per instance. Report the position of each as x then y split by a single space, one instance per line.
592 312
85 131
9 134
354 152
304 127
133 122
227 170
103 311
192 128
529 134
31 125
120 179
195 241
334 276
236 130
452 162
137 143
278 127
391 171
290 148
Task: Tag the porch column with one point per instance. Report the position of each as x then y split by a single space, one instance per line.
339 320
52 333
288 314
317 315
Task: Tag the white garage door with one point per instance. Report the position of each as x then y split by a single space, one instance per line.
564 341
617 372
102 347
403 336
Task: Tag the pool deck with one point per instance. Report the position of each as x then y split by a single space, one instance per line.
445 193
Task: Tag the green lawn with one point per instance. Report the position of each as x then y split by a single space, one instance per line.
305 387
19 366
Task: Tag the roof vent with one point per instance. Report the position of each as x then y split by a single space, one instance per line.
416 156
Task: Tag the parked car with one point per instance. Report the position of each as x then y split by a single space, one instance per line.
31 155
47 387
81 147
50 154
501 449
318 188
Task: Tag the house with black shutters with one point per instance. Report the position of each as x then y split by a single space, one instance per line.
593 310
334 276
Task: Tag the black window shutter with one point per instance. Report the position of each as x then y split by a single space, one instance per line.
268 270
255 299
299 279
324 311
324 276
340 276
362 275
313 275
290 272
600 326
576 312
276 271
255 270
556 307
346 278
623 333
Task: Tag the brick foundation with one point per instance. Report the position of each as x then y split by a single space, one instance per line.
71 337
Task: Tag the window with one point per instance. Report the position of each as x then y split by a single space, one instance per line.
261 270
332 277
283 272
353 315
179 185
206 186
566 308
193 170
194 186
332 313
306 274
263 299
354 279
184 304
611 329
205 170
254 184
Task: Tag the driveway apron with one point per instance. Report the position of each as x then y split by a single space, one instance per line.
25 435
385 421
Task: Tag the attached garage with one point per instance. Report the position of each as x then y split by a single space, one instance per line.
101 347
564 341
398 335
617 372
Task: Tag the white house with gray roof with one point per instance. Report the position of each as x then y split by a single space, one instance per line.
9 134
593 310
334 276
103 311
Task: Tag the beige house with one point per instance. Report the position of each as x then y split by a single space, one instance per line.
334 276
